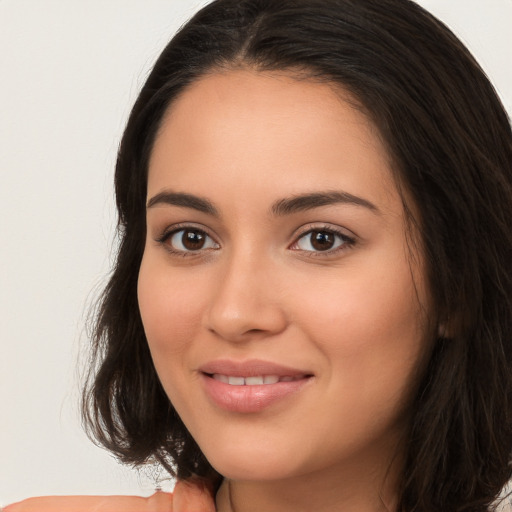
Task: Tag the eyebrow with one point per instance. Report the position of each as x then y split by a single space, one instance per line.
305 202
186 200
280 208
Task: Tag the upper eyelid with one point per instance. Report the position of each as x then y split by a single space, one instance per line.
323 226
174 228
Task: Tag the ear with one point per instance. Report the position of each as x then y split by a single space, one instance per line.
445 329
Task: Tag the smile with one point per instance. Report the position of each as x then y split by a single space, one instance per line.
256 380
252 386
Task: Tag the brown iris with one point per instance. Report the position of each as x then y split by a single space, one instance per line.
322 240
193 240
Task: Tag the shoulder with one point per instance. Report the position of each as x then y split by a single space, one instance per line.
188 496
159 502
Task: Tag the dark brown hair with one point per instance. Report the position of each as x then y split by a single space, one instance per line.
451 145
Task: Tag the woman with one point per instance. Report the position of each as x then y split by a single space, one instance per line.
311 306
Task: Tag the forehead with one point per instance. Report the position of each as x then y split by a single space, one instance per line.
244 128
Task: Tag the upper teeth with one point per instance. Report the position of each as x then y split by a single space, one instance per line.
251 381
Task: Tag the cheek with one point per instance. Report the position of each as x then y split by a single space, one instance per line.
363 310
170 307
370 326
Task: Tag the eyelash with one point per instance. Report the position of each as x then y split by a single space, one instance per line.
169 233
346 241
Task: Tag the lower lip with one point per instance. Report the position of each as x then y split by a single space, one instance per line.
248 399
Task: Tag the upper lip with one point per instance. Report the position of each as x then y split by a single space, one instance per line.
250 368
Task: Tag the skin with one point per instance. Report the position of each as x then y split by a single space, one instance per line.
187 497
352 316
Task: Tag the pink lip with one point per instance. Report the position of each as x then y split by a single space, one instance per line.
250 399
250 368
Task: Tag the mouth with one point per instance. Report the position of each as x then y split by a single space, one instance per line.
251 386
256 380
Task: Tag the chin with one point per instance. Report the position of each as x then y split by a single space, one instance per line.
253 464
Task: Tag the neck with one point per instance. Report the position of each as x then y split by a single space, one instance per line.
351 488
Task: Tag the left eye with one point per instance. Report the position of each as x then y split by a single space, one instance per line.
187 240
321 240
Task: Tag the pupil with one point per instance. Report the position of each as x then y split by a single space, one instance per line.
322 240
193 240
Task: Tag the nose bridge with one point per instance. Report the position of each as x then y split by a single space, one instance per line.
244 302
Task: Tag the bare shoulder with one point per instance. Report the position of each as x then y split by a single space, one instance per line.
159 502
187 497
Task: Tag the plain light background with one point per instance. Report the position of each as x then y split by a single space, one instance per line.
69 73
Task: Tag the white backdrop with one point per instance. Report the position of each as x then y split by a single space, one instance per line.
69 72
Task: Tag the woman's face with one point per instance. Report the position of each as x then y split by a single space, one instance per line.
284 310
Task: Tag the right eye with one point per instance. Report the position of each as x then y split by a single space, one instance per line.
188 240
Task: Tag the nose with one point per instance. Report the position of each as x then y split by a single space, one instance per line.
246 303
